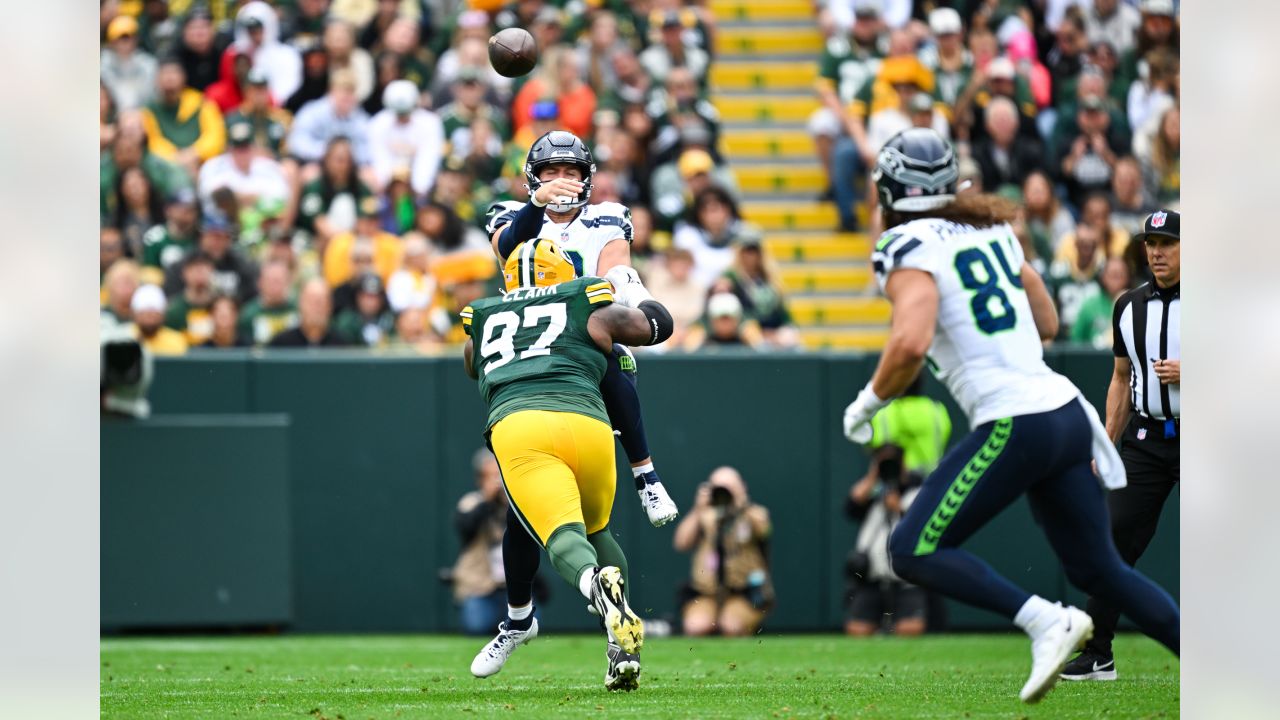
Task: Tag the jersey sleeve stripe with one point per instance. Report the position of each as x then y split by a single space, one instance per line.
902 251
598 297
598 286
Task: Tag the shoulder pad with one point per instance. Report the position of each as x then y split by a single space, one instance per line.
598 290
499 214
610 214
911 245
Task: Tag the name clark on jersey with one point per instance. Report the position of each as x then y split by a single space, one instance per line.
529 293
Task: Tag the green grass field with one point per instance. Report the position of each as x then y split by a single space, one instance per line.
407 676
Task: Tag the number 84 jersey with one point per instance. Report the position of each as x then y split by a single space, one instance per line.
533 352
986 348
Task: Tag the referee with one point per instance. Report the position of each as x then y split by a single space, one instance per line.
1142 415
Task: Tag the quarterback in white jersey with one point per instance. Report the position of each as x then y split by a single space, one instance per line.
966 302
597 231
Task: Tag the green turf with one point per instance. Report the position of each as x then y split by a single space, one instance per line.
407 676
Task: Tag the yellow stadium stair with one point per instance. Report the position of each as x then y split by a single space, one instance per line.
779 144
761 10
762 83
752 41
761 75
764 109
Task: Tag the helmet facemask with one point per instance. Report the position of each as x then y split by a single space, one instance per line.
559 147
531 171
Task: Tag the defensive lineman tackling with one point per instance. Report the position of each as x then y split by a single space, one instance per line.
596 239
964 297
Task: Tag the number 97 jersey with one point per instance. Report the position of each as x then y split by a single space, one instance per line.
986 349
533 351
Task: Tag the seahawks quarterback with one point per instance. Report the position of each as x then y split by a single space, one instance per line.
597 239
965 300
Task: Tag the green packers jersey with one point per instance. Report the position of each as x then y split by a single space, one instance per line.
533 352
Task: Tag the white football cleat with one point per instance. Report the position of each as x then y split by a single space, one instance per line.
494 655
658 505
1051 646
623 672
624 626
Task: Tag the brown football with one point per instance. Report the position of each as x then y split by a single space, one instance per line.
513 52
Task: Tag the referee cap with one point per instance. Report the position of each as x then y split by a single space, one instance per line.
1162 222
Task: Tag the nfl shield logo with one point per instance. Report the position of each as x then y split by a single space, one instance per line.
1157 220
1142 433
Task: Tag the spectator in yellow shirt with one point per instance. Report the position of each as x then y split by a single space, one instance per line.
148 307
182 125
387 250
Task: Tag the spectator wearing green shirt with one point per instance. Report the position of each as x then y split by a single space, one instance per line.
189 311
947 57
270 124
226 325
754 278
1072 282
273 311
167 243
328 203
848 62
1093 323
128 151
369 323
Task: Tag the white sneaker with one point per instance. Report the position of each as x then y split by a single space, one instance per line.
1051 644
624 626
623 672
658 505
493 656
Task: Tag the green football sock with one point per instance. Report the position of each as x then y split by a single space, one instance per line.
608 552
570 552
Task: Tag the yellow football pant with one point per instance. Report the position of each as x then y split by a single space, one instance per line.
558 468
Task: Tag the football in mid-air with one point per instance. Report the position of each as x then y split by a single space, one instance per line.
513 52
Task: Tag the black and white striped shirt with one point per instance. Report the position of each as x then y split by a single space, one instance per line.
1146 327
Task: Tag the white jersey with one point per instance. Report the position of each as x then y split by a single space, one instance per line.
582 238
987 349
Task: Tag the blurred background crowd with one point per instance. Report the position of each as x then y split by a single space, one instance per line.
318 172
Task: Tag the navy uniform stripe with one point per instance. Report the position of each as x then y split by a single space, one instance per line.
902 251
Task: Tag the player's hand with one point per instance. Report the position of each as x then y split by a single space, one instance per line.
1169 371
550 192
857 417
857 424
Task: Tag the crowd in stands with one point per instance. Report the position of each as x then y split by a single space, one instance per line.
1068 107
317 172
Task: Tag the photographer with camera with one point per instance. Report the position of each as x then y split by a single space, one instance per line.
729 589
480 517
909 437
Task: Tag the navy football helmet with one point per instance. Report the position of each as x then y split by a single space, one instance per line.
560 146
916 171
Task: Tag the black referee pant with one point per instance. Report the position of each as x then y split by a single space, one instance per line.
1151 462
